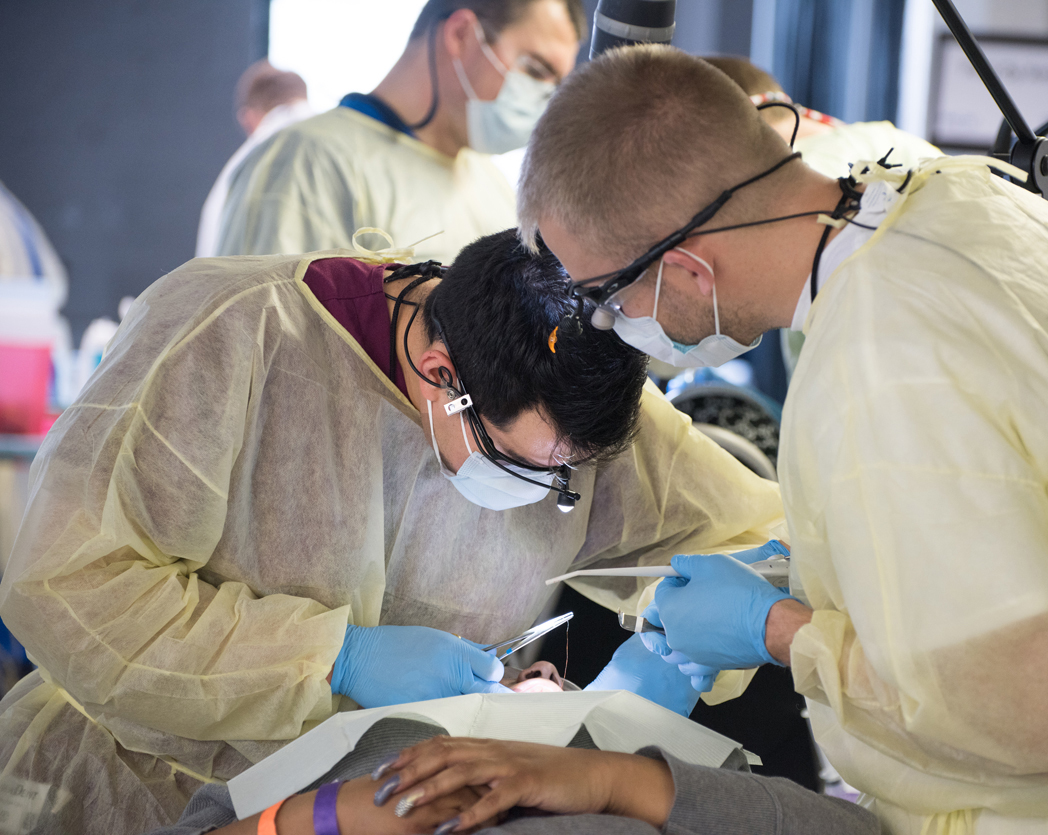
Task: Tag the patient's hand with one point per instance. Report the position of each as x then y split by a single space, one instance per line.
358 814
564 781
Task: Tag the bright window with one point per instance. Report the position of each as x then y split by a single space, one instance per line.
339 46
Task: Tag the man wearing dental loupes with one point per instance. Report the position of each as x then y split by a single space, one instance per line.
913 450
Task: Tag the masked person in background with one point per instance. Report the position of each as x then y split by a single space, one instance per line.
411 157
262 491
913 440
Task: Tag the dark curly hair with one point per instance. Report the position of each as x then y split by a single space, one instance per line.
497 306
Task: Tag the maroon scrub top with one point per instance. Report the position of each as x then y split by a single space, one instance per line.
352 292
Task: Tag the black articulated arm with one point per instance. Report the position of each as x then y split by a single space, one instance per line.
1030 152
626 22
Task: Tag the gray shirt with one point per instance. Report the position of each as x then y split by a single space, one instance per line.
707 801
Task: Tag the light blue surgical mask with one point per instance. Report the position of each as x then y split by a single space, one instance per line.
646 334
505 123
484 483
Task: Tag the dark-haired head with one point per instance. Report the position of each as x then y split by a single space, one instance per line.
497 306
494 15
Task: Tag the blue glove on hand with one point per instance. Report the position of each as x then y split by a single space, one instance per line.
715 613
391 665
702 677
635 669
768 551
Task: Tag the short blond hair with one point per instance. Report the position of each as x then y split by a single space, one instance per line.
754 82
752 79
633 144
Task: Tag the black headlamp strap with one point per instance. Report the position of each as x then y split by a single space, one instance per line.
818 257
426 271
621 279
789 105
763 174
849 202
433 86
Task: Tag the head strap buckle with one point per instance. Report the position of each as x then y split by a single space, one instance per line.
459 404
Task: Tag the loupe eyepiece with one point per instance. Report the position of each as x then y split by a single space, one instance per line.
566 497
603 318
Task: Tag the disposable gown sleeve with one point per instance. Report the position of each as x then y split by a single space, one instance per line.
673 492
289 196
922 540
129 501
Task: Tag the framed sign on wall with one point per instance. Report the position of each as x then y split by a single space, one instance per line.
962 115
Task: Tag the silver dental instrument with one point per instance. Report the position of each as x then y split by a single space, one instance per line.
635 623
775 571
511 645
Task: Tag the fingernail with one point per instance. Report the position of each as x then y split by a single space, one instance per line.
447 826
406 804
390 786
384 766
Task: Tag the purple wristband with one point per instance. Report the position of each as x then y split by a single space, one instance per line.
325 806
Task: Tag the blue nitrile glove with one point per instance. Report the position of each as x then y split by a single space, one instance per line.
768 551
635 669
391 665
715 613
655 642
702 677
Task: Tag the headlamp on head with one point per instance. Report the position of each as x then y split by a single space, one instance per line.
602 289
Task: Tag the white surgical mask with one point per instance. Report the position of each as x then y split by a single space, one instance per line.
485 483
505 123
646 334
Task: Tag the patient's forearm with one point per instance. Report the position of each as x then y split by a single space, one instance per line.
296 815
358 814
642 788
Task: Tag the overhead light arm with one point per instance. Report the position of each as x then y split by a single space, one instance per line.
1030 152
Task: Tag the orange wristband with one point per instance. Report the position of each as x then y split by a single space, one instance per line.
267 822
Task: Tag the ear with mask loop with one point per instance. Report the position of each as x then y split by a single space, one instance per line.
426 271
460 399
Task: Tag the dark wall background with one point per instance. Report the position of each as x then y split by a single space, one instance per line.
115 118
